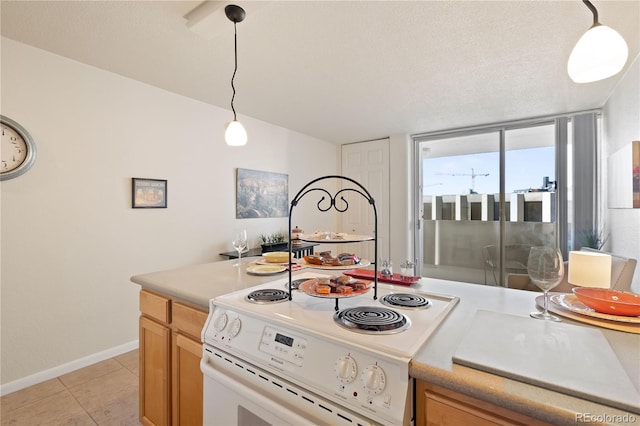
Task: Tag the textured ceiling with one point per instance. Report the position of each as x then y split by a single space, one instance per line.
343 71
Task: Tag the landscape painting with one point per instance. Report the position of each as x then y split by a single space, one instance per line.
261 194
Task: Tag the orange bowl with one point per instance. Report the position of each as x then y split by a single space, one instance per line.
609 301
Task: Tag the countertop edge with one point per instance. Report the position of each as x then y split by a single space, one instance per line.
540 403
184 296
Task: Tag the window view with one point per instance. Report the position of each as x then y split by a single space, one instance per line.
461 174
461 192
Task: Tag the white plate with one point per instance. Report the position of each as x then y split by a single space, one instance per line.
334 237
363 264
265 269
571 303
264 262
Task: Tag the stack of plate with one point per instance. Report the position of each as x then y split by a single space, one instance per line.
611 309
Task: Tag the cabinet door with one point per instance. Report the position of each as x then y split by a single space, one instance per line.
187 381
155 377
438 406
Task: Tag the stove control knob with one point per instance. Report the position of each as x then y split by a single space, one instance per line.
346 369
374 379
220 322
234 327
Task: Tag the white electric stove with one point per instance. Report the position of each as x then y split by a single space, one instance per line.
316 364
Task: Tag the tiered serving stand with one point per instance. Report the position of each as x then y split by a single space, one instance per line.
336 201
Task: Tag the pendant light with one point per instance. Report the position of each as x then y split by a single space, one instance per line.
600 53
235 135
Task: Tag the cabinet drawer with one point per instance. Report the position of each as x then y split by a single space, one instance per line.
155 306
188 320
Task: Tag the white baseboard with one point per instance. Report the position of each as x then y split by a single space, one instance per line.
54 372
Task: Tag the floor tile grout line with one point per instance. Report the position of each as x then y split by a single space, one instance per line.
68 389
83 407
71 390
28 403
39 400
94 377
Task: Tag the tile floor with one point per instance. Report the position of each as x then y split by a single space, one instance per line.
105 393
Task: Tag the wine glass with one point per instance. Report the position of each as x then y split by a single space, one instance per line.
239 243
546 269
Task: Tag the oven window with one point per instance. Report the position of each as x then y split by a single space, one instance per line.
247 418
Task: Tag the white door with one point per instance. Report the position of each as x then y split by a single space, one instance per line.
368 164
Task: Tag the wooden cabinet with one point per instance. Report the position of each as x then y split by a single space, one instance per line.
155 373
186 352
170 352
438 406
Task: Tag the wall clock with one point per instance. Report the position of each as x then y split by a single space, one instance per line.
18 149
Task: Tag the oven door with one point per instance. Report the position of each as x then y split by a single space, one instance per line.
237 393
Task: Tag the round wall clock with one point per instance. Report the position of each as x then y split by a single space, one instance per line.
18 149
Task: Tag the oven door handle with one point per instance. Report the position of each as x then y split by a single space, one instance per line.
257 398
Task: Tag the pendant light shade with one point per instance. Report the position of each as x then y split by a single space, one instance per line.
600 53
235 135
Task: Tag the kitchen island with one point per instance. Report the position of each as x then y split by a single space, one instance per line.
442 387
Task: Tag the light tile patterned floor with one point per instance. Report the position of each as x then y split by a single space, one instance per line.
103 394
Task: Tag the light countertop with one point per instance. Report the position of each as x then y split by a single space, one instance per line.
199 283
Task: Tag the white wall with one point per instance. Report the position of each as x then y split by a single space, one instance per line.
70 239
621 125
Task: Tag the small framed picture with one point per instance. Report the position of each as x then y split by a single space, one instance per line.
148 193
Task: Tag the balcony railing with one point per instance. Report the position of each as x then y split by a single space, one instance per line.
461 231
519 207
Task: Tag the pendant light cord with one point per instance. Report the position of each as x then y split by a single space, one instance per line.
235 48
593 10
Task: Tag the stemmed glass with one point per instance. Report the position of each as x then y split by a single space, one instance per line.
239 243
546 269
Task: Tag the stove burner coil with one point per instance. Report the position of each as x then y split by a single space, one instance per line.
406 300
267 295
372 320
295 284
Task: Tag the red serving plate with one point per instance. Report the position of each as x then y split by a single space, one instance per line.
609 301
367 274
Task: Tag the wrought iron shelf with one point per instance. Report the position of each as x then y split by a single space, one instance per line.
337 202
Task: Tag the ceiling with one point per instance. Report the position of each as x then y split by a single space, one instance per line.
342 71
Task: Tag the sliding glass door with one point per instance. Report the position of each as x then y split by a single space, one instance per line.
486 196
530 199
460 178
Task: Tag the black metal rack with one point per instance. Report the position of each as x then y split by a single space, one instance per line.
325 204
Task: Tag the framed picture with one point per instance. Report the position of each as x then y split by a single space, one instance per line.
261 194
148 193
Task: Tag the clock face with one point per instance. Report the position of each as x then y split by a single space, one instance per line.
14 149
18 150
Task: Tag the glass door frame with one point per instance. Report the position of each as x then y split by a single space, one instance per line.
561 166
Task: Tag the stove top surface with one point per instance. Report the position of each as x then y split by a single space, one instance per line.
403 329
